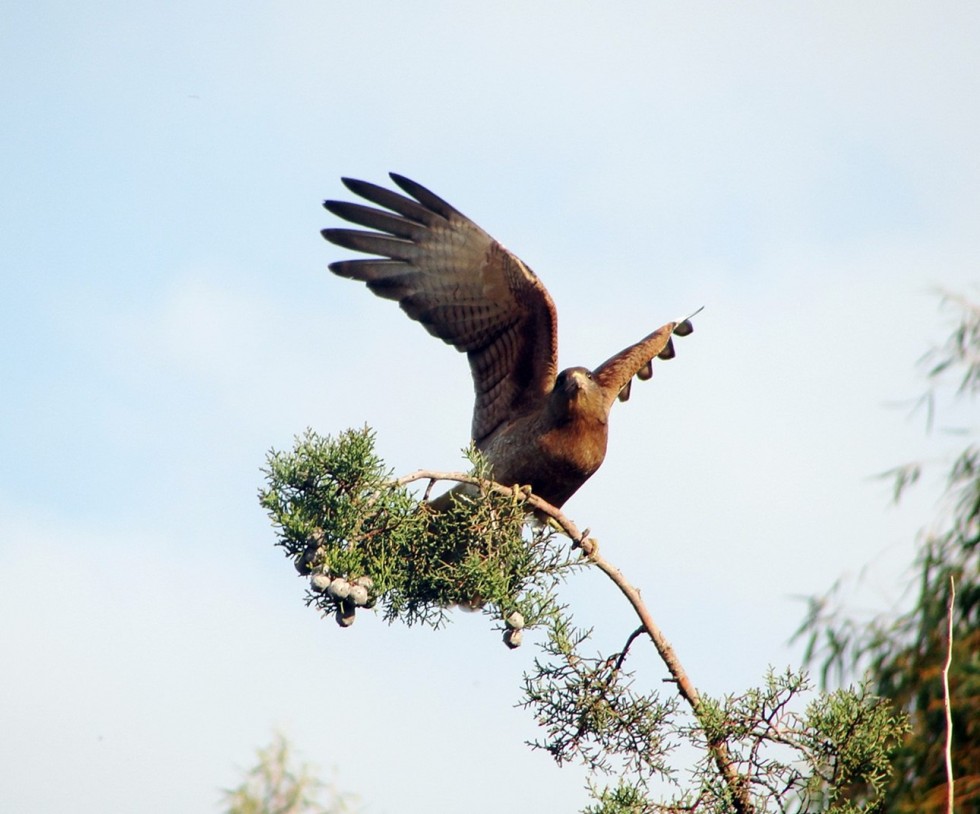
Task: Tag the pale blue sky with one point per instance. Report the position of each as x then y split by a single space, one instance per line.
808 173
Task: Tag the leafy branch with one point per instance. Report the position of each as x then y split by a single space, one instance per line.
925 657
364 540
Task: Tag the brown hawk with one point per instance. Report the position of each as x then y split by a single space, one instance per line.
535 425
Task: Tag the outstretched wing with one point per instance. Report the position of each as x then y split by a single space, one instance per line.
462 285
615 375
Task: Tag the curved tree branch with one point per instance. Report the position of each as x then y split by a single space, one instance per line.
590 550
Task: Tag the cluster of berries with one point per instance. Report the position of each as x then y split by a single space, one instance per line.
515 630
348 594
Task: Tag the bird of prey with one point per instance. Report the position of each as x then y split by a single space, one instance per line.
535 425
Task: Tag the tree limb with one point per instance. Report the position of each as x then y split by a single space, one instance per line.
590 550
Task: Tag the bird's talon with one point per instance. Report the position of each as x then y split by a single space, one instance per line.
554 524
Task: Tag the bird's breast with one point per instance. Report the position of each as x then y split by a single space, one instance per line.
578 446
554 459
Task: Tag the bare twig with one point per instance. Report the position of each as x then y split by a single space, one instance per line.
717 746
626 648
590 549
946 702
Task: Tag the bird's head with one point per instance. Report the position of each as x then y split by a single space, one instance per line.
577 394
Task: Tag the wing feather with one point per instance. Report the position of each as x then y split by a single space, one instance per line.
615 375
391 200
370 243
376 219
462 286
